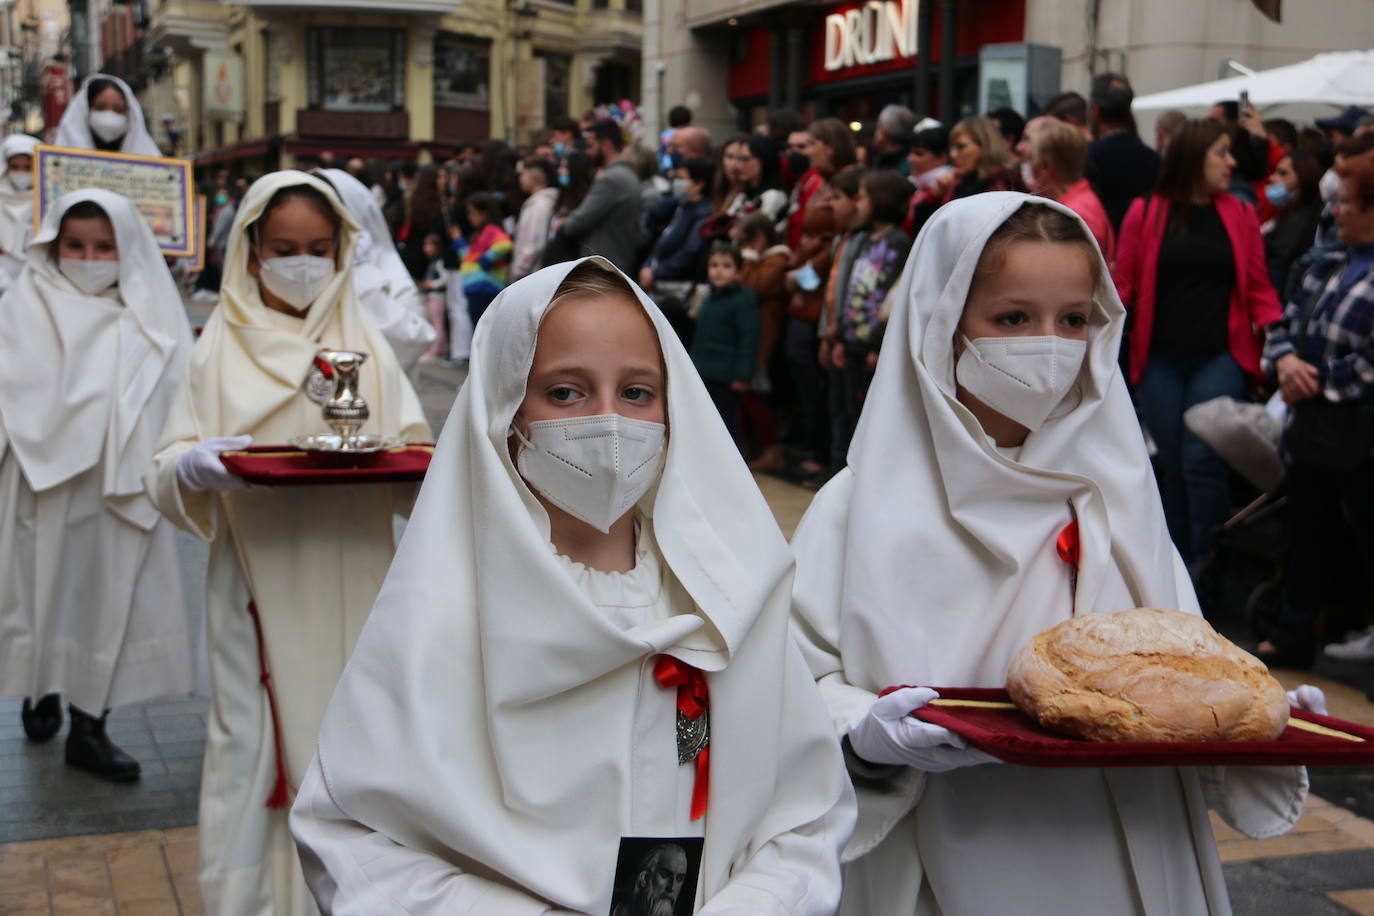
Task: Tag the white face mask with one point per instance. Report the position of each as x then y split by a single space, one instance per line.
297 280
593 468
91 277
109 125
21 180
1028 177
680 187
1022 378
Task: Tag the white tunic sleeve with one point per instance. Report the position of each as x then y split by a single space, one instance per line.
355 871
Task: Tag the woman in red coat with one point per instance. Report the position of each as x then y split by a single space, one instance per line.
1190 264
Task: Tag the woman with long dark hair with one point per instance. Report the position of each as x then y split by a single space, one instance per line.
424 214
1190 263
747 179
1294 193
575 174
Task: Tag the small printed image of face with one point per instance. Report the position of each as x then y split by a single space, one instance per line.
656 877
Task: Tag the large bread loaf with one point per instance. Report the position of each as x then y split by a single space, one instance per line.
1146 675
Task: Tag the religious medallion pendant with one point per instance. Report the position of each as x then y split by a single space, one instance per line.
692 735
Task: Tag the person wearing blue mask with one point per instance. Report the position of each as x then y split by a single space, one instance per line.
1293 191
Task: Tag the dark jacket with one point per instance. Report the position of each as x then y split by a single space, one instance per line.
607 222
1123 168
725 345
680 251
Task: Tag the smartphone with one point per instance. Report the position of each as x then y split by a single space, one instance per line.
1244 100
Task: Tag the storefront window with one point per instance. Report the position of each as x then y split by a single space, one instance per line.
462 72
356 69
558 77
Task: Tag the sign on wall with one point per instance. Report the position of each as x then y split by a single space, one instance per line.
877 31
223 97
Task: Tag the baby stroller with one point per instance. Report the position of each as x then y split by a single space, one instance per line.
1243 578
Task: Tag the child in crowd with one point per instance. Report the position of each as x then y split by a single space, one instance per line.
763 272
725 345
435 285
485 257
845 187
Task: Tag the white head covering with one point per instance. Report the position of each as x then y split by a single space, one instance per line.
15 145
384 286
944 572
89 378
16 209
74 130
245 367
487 711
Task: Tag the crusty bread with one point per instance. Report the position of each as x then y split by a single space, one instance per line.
1146 675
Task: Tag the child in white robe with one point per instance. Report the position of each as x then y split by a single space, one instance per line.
93 347
16 204
932 559
590 586
293 569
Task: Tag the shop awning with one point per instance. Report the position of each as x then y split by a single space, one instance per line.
1337 79
244 149
345 149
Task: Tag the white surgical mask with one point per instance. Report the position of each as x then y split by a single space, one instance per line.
109 125
297 280
680 187
593 468
21 180
1028 177
1022 378
91 277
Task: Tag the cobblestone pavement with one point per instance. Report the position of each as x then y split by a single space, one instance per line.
71 844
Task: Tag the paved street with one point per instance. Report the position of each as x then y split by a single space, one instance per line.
70 843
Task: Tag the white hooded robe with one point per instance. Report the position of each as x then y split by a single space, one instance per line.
91 604
309 558
931 560
498 730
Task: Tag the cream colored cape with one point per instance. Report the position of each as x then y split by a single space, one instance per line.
475 755
92 603
16 210
931 561
74 130
384 287
309 558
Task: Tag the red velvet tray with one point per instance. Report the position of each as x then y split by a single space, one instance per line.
996 726
282 465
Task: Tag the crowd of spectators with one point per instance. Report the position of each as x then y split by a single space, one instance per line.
1235 243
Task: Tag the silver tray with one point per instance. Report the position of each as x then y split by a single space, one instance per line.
330 451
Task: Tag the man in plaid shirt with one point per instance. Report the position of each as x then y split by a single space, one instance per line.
1323 348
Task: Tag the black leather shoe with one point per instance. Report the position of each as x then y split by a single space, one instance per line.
43 719
90 749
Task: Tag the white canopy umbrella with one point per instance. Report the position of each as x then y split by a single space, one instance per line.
1335 79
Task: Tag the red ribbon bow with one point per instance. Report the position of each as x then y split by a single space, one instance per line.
692 701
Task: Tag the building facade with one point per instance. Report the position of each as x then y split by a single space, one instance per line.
254 84
733 61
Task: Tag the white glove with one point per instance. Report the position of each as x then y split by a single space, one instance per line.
888 734
200 469
1309 699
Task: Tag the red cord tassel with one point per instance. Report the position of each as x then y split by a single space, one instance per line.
280 796
693 700
1067 545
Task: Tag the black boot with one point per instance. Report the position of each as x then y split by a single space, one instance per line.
89 749
43 719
